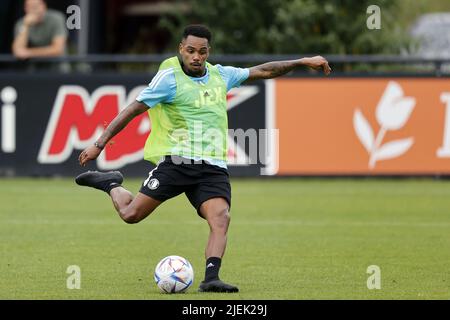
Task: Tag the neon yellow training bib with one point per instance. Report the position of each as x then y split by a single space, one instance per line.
195 124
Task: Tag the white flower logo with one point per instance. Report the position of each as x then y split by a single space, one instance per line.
393 111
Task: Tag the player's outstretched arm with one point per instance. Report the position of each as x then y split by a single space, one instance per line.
275 69
118 123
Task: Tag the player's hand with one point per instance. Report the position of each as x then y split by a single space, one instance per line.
317 63
88 154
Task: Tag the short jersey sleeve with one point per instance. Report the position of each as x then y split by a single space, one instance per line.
162 89
58 22
232 76
18 27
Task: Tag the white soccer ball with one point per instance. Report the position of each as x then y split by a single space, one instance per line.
174 274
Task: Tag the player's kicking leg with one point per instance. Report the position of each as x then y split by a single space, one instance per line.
131 209
216 212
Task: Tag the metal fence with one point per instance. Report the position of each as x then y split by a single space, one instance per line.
341 63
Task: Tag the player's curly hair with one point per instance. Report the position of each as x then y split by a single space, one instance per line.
197 30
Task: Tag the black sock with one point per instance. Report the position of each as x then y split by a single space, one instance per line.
212 268
111 186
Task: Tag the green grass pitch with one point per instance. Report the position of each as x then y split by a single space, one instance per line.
288 239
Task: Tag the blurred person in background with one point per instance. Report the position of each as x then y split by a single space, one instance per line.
40 33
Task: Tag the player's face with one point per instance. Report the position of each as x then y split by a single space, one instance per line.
194 52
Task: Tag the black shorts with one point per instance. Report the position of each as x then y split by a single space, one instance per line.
199 180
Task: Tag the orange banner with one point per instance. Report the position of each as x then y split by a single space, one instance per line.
364 126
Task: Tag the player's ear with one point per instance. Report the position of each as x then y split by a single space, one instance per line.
180 47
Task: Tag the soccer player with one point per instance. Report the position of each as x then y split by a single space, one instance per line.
186 101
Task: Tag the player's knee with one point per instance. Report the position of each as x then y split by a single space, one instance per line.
131 216
130 219
221 220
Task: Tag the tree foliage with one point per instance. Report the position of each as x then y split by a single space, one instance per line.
292 26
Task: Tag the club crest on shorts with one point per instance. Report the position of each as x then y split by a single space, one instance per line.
153 184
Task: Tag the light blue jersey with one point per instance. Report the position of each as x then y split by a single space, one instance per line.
162 89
